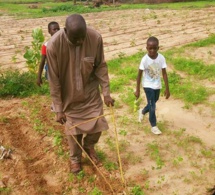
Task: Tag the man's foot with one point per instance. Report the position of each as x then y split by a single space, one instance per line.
92 154
76 168
140 115
156 131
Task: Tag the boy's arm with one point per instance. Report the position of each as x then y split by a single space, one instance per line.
40 71
165 78
139 76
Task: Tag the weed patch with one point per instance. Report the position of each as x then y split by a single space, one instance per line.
17 84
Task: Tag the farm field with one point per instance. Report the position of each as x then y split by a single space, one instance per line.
179 162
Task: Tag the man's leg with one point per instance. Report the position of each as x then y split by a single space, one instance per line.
75 152
89 142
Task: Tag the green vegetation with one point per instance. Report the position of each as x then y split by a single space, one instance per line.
5 191
21 8
153 149
33 54
95 191
136 190
203 43
17 84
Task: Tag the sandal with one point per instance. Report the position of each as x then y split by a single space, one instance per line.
76 168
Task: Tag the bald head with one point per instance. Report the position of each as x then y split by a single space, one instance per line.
75 29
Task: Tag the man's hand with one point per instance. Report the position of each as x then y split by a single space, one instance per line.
109 101
60 117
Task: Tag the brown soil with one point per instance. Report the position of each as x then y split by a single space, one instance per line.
36 166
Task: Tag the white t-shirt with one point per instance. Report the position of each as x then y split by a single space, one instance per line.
152 71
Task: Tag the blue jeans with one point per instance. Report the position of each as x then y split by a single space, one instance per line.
46 71
152 96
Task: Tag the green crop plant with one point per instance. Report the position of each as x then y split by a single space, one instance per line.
80 175
110 166
124 120
136 190
14 59
153 149
110 142
57 139
132 158
207 153
101 155
132 43
5 190
95 191
81 189
123 144
161 179
121 54
91 179
4 119
38 125
33 54
123 132
177 160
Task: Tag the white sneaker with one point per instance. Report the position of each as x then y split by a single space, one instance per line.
140 115
156 131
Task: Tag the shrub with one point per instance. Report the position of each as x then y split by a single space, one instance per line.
17 84
33 54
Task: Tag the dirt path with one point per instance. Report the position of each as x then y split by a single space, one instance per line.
37 169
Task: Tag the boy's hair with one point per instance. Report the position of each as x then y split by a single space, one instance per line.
153 39
52 23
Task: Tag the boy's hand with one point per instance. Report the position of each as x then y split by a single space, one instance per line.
39 81
167 93
137 94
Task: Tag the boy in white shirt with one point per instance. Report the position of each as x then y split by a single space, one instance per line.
151 66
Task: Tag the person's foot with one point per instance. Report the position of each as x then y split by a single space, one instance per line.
76 168
140 115
156 131
92 154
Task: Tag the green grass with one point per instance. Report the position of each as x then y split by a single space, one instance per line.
203 43
186 90
20 8
5 190
25 1
194 67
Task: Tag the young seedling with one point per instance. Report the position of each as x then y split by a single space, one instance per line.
136 190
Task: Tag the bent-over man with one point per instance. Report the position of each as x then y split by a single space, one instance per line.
76 70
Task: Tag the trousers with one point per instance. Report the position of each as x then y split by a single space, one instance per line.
152 96
89 141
